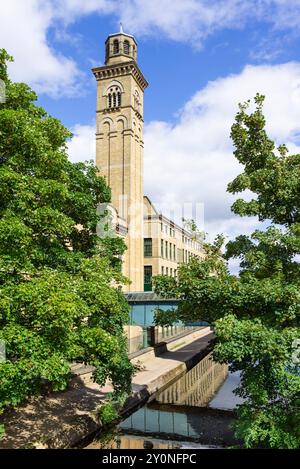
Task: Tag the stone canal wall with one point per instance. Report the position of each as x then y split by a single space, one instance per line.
62 420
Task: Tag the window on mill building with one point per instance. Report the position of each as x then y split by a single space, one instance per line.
148 247
147 278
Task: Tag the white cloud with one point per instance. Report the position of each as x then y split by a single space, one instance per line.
285 13
193 159
69 10
191 20
194 20
82 147
25 26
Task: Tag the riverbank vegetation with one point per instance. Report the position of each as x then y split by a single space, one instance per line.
60 299
256 313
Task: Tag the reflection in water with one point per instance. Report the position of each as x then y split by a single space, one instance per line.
225 398
167 426
198 386
137 442
158 421
182 423
179 416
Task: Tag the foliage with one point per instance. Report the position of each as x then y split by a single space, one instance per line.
165 318
255 314
191 226
59 283
2 429
107 413
110 410
107 437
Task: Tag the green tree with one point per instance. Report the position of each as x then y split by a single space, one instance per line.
59 283
256 314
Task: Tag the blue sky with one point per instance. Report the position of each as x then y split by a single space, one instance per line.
200 57
225 52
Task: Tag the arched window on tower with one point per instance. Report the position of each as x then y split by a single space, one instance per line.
107 51
116 46
114 98
126 47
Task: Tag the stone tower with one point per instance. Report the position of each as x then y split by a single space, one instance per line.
119 144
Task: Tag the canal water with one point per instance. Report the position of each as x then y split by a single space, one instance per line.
196 411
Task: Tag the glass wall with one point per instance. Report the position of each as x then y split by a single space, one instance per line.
143 314
144 304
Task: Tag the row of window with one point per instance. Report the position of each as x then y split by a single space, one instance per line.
148 275
114 100
190 242
168 271
185 239
117 48
168 250
168 230
186 256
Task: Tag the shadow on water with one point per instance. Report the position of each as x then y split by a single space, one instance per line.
195 411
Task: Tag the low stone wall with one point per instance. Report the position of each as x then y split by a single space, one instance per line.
63 420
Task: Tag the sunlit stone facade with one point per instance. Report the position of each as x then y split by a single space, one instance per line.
155 245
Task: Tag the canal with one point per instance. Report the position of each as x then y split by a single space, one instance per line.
195 411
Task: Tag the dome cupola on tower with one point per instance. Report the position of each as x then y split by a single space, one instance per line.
120 47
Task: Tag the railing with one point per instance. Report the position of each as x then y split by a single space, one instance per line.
162 333
141 337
